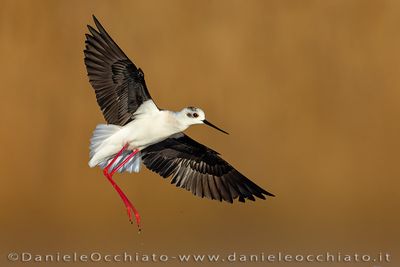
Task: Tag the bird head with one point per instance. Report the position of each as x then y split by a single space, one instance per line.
192 115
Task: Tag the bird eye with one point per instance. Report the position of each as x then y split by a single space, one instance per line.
195 115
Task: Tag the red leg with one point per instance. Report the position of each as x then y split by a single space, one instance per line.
129 206
114 159
134 152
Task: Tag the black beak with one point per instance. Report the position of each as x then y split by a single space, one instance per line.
212 125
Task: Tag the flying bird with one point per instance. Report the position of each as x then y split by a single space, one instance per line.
137 131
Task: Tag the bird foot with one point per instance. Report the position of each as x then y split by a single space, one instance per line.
129 209
129 206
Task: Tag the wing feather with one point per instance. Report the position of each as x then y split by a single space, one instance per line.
119 85
200 170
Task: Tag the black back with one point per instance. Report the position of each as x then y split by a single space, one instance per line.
119 85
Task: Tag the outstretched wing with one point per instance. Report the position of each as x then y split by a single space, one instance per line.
200 170
119 86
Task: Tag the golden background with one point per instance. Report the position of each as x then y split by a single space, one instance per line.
309 91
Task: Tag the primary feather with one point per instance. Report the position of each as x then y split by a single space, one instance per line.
119 85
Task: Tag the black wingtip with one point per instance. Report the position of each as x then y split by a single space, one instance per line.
268 194
94 18
99 26
96 21
91 29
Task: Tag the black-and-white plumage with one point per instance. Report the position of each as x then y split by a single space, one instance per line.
138 131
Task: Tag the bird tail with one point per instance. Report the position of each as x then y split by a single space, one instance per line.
133 165
103 152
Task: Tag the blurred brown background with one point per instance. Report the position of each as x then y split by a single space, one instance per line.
309 91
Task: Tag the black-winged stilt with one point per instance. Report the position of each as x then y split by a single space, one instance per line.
138 131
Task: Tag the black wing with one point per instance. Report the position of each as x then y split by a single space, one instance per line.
200 170
119 86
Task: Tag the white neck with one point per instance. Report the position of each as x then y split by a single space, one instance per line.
181 121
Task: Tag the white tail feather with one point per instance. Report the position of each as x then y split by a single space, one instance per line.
102 152
133 165
100 134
